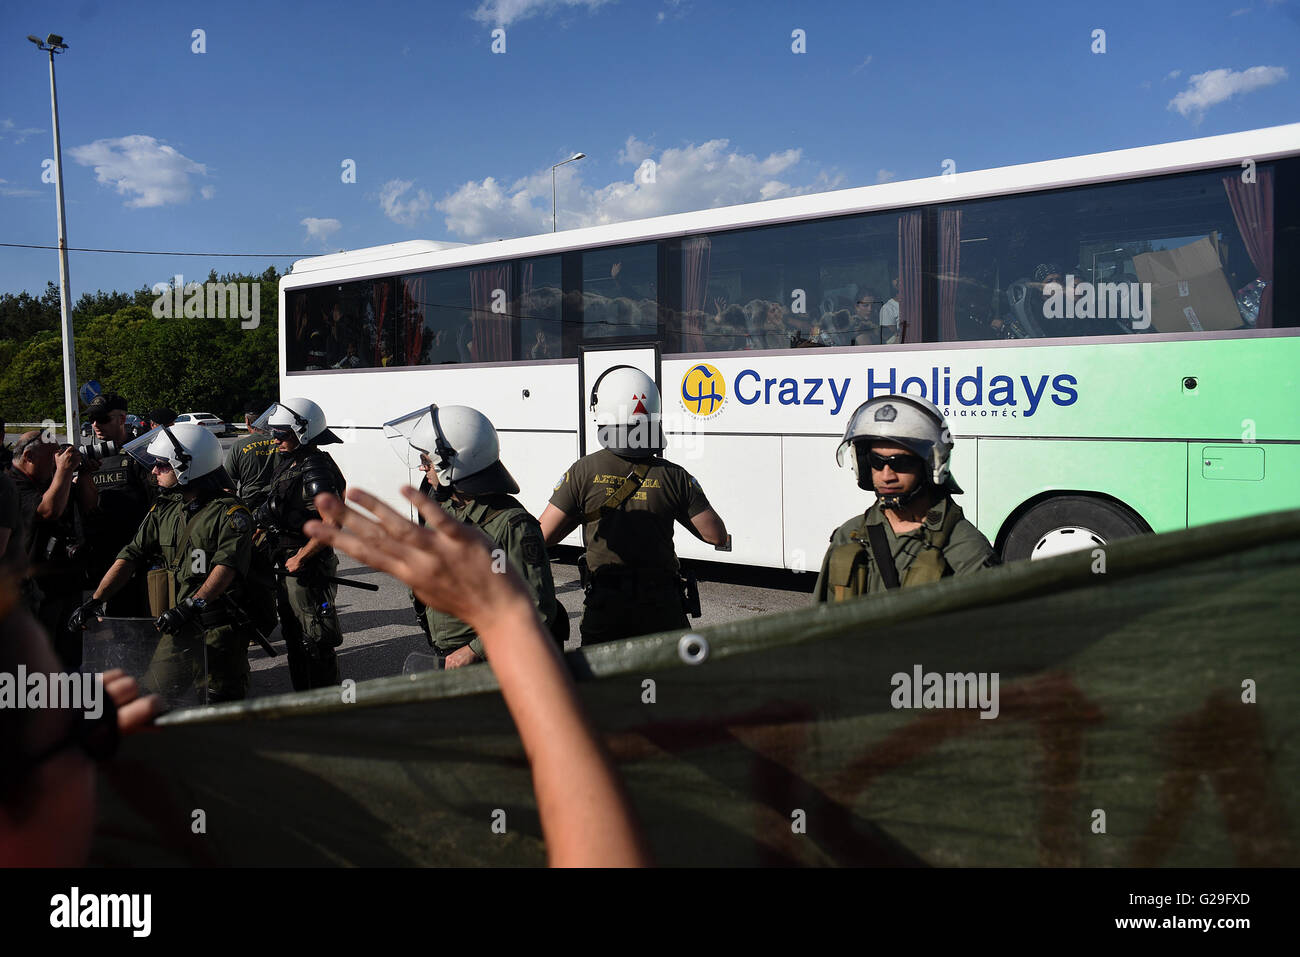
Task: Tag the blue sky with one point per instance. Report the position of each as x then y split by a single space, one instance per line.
239 149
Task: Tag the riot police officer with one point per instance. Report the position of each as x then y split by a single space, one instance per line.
627 497
204 538
126 492
900 448
458 450
305 594
250 463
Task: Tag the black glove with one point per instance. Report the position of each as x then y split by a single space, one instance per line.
80 619
174 620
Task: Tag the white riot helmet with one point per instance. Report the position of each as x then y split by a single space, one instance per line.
459 442
906 420
628 412
191 450
302 417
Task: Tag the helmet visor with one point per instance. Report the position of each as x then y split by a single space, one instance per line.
138 449
282 422
262 422
417 439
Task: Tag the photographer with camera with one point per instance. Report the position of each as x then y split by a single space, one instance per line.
54 492
126 493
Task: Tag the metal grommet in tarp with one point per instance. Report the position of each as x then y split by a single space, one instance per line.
693 649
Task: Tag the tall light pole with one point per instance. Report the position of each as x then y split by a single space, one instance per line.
54 44
575 156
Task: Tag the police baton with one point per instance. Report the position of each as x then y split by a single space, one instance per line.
332 579
242 618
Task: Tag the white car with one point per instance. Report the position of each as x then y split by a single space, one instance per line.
210 422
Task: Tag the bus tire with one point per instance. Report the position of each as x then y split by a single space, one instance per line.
1068 523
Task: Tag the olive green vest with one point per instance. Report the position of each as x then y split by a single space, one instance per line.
850 566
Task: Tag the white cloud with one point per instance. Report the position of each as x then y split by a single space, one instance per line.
207 192
502 13
321 229
138 166
1214 86
1173 74
6 190
885 176
864 63
9 129
406 212
1238 12
692 177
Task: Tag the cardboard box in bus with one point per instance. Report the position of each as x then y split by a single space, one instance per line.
1188 289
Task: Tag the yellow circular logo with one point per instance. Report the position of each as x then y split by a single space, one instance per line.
704 391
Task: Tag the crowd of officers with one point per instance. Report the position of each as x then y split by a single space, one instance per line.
213 548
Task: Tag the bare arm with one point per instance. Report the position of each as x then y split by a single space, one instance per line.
87 493
586 818
708 526
55 499
219 579
118 574
556 524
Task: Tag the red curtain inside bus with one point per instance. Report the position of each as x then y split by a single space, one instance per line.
909 277
492 339
412 320
1252 207
695 285
380 297
949 272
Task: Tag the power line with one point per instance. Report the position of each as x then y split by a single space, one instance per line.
149 252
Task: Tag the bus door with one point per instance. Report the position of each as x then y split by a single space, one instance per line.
595 361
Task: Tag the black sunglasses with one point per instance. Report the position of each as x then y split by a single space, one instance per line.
899 463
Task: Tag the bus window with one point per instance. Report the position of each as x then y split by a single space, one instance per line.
829 283
1186 253
344 326
620 292
456 315
540 308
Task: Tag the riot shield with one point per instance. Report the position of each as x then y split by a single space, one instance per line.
416 662
174 667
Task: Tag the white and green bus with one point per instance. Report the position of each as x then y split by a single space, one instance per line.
1113 339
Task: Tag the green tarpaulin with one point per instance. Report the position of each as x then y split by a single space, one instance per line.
1147 712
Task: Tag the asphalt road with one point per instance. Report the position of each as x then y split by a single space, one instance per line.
380 630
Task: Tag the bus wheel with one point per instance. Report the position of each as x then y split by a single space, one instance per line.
1069 523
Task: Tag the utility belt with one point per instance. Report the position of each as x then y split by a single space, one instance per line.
631 583
628 578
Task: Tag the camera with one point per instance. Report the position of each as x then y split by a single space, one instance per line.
98 451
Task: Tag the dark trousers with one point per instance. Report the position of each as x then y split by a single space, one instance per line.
57 603
310 634
612 613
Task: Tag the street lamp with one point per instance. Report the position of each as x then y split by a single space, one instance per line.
575 156
54 44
